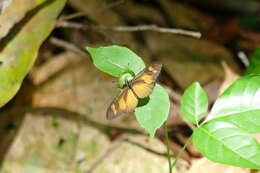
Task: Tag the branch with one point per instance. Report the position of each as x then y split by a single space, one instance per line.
138 28
72 16
180 152
68 46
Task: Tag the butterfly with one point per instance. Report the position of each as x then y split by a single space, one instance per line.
141 86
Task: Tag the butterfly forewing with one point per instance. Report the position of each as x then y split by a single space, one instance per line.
140 87
144 82
125 102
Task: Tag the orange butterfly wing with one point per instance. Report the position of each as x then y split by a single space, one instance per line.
144 82
125 102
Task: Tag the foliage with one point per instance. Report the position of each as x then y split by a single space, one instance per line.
120 62
197 100
239 104
226 135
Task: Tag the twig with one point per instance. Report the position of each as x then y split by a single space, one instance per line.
192 126
157 29
181 151
72 16
138 28
68 46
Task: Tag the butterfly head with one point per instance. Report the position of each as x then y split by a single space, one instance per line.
128 84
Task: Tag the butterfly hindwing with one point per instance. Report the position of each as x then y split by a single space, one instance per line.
144 82
125 102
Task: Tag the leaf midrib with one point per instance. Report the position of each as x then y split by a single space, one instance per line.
234 113
196 104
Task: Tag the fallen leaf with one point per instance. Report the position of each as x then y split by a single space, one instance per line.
14 12
28 35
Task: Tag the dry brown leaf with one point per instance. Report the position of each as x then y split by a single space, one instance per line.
14 12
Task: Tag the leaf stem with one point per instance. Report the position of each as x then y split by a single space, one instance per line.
168 146
180 152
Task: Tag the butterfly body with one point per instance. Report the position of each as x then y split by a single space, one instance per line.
128 84
139 87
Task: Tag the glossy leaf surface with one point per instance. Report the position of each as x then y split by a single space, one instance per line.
240 104
224 143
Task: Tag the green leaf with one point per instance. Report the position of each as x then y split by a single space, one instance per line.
254 67
194 103
116 60
153 114
120 62
224 143
240 104
19 48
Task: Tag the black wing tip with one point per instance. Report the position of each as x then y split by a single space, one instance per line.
109 115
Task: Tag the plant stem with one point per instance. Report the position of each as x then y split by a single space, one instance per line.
168 147
180 152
